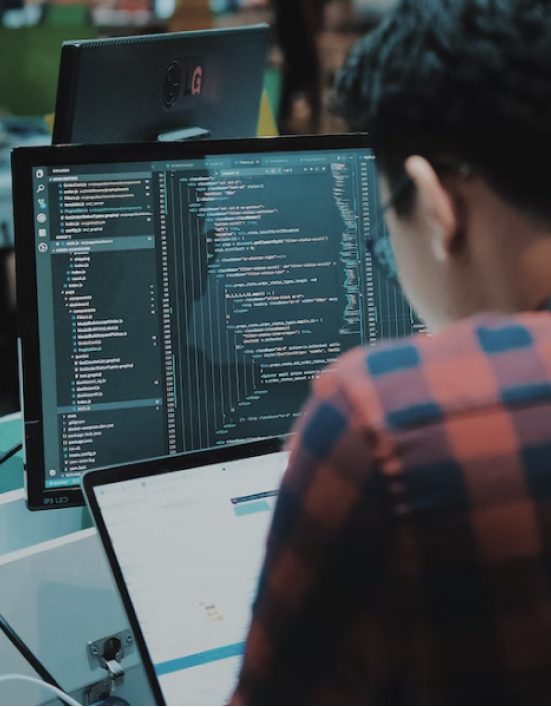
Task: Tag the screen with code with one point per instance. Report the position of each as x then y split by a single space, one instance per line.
185 305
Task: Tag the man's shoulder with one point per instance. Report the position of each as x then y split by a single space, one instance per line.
478 362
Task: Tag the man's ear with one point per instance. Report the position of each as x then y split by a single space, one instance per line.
437 206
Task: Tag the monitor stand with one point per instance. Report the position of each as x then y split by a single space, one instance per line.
193 133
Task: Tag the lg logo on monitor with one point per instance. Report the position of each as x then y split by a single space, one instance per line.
174 78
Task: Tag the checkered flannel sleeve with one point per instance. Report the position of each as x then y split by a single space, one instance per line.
409 558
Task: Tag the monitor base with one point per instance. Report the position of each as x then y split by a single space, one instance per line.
194 133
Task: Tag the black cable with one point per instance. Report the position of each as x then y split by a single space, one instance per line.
29 656
11 452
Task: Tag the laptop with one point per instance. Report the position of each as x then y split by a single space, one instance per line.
185 539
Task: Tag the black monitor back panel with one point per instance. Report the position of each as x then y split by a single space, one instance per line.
138 89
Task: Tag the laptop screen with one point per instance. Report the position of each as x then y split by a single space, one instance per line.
190 545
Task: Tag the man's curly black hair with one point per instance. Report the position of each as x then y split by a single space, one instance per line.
462 80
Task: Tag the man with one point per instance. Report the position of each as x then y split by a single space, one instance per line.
410 555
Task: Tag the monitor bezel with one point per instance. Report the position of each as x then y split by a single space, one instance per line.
102 477
24 160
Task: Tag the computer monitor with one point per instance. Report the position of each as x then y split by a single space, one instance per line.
161 87
182 296
185 538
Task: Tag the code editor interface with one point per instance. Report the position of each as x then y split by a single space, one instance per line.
185 305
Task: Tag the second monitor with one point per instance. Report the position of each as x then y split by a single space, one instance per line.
161 87
183 296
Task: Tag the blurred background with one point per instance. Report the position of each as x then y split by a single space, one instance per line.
309 41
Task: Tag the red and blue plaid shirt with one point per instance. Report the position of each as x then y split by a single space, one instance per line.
409 560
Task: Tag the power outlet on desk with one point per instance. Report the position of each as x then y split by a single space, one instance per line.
108 652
